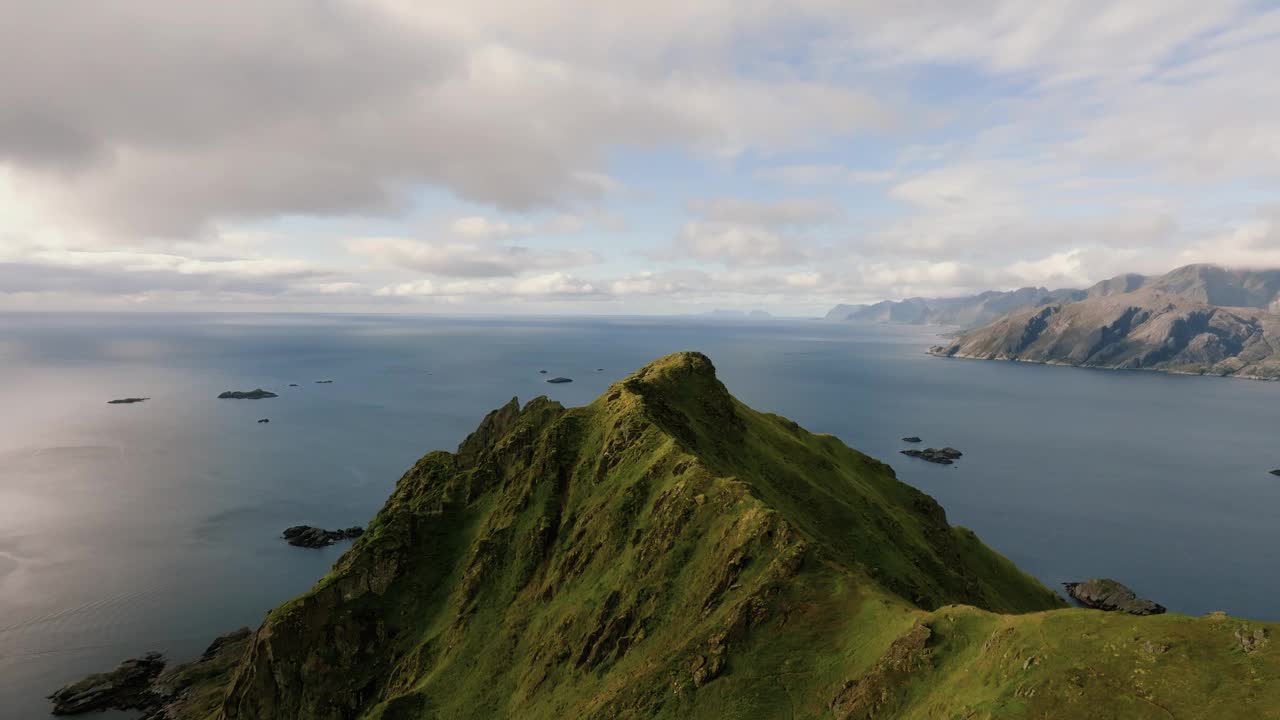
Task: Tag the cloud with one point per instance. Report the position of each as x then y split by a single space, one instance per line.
548 285
775 213
465 259
738 244
817 150
52 272
166 119
478 227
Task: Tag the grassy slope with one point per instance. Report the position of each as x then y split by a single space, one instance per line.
668 552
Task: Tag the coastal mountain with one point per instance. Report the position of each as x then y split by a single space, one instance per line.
668 552
1206 284
1199 319
969 311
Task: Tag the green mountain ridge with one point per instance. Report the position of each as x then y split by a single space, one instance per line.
667 552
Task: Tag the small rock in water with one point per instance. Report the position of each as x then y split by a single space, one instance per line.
128 687
314 537
1276 471
542 372
1105 594
911 439
945 456
293 384
599 369
258 394
558 380
324 382
127 401
264 420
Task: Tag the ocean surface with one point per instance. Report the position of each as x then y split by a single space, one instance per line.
126 528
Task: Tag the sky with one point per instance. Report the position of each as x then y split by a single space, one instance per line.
557 156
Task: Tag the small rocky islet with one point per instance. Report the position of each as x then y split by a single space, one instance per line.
264 420
258 394
1276 472
127 401
560 380
324 382
1109 595
912 439
314 537
943 456
143 684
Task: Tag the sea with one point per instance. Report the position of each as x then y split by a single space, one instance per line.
156 525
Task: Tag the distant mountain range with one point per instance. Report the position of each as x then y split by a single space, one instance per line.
973 311
1198 319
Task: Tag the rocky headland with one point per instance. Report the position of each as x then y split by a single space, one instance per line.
1200 320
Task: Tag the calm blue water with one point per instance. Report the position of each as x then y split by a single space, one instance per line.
154 526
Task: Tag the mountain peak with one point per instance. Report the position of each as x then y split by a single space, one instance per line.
648 555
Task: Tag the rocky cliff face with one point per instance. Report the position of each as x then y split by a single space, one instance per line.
667 552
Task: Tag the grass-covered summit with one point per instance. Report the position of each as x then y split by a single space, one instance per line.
668 552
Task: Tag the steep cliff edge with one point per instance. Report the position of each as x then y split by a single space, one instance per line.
667 552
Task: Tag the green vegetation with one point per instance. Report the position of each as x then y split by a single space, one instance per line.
667 552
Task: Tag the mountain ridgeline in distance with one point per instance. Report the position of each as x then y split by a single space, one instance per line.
1199 319
668 552
1207 284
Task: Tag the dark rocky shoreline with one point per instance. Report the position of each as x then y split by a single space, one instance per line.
314 537
144 684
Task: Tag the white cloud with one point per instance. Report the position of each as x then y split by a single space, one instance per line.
774 213
479 227
737 244
554 284
841 149
464 259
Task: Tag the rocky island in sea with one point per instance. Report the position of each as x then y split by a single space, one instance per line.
258 394
127 401
943 456
668 552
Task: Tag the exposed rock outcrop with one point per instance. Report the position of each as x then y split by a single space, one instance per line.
314 537
1105 594
127 401
128 687
189 691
